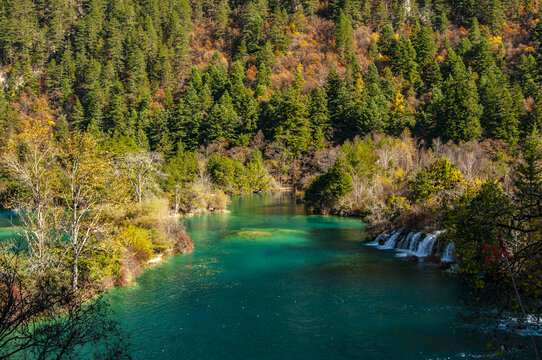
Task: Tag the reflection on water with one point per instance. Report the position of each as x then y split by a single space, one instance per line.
268 282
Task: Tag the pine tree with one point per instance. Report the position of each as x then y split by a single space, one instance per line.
432 76
189 119
94 99
332 90
459 119
319 116
344 34
499 119
137 85
221 20
253 23
237 90
387 44
424 44
482 56
527 70
222 121
159 136
217 80
266 55
405 62
380 16
116 121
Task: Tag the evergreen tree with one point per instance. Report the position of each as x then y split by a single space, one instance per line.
77 114
221 20
94 99
459 119
189 119
344 34
222 121
319 116
499 119
253 23
405 62
424 44
387 44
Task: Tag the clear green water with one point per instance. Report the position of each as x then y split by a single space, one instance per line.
7 221
268 282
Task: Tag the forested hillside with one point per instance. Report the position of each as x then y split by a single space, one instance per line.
172 74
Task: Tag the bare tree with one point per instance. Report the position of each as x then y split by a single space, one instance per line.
86 180
142 169
30 161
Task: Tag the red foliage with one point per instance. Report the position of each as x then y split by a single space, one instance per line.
496 252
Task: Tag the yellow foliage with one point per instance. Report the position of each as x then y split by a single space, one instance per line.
383 57
375 37
396 36
360 85
139 240
495 42
303 43
400 173
398 204
293 29
398 104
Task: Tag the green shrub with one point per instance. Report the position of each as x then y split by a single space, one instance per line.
440 175
327 189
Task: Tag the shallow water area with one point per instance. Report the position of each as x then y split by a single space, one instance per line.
8 223
268 281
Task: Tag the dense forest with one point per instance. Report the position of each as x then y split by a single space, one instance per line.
116 116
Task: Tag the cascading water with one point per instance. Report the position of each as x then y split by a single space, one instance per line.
403 244
413 246
426 246
390 243
449 253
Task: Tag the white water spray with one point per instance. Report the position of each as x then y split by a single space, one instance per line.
449 253
426 246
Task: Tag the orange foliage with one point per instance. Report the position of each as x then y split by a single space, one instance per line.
252 73
159 96
36 116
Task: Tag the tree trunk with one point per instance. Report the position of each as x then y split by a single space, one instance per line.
75 278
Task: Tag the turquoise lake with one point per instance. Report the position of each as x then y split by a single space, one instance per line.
269 282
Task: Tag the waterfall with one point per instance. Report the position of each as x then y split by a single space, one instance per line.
449 253
426 246
413 246
404 243
390 243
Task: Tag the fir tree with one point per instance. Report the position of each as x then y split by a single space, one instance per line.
499 119
344 34
459 119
